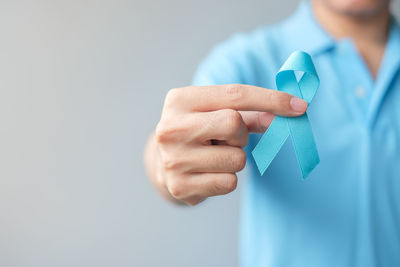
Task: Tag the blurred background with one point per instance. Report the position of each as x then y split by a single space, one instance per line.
81 86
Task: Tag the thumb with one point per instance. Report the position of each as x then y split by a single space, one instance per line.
256 121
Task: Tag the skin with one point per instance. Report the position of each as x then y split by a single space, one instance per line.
365 21
197 147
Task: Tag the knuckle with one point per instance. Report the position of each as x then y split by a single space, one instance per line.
279 99
169 162
235 92
234 119
173 96
165 132
161 133
175 187
227 184
168 130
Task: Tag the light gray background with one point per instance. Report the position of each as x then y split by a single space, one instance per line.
81 86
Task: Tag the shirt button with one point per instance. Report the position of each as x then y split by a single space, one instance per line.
360 92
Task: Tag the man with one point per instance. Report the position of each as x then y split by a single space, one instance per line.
347 213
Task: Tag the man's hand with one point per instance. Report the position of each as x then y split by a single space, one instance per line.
198 144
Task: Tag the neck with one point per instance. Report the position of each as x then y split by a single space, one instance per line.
371 27
368 31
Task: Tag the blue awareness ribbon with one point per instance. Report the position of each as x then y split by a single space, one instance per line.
298 128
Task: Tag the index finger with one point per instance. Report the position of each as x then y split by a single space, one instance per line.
241 97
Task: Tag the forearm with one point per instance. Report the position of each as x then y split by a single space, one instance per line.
151 161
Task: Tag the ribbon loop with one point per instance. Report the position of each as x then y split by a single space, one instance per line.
298 128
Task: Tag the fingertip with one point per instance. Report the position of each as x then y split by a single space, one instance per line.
264 121
298 106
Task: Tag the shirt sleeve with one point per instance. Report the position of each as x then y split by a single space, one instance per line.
227 63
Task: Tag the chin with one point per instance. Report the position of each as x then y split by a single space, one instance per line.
358 7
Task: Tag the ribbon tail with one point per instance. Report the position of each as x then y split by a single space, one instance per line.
304 143
270 143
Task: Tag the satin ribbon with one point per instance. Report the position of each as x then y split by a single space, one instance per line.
298 128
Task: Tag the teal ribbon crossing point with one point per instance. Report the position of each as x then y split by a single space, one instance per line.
298 128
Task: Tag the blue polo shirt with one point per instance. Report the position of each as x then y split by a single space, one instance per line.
347 213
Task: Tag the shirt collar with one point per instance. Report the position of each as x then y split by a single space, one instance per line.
303 27
393 42
308 35
388 70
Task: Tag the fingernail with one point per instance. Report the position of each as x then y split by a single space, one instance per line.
298 105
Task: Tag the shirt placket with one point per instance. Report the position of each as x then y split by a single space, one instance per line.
355 78
357 90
